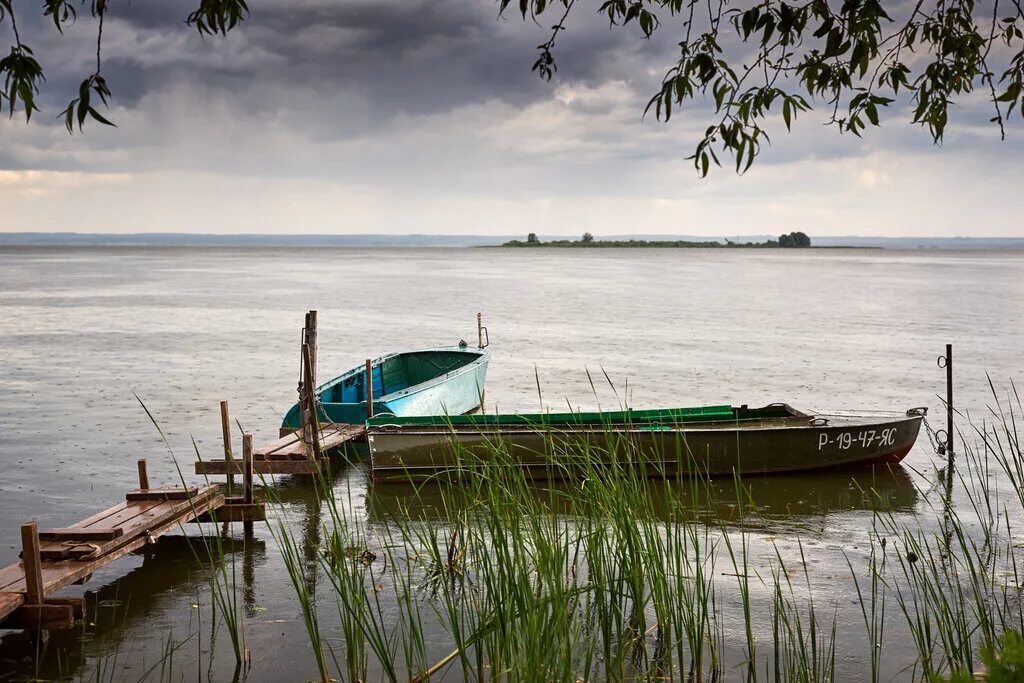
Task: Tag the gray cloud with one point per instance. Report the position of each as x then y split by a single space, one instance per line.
404 115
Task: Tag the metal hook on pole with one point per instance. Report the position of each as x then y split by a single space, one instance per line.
483 339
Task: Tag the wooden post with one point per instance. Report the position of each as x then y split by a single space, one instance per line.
369 389
480 330
143 475
32 564
310 430
311 340
247 477
225 430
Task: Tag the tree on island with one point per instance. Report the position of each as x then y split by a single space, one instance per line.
532 238
794 239
587 238
751 63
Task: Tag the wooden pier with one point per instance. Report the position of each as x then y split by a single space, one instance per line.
305 450
287 455
55 558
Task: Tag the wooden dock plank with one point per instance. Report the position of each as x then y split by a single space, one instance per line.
61 573
75 534
133 526
10 601
115 515
215 467
292 447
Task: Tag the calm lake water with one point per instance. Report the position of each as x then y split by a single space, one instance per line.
83 331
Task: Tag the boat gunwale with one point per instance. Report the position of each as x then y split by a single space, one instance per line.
632 428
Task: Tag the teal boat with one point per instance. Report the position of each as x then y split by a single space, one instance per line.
443 381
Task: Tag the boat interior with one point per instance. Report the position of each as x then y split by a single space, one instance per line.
669 416
396 373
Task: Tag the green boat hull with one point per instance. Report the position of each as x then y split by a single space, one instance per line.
711 441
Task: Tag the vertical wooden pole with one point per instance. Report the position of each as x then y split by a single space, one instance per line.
949 400
32 564
247 477
143 475
311 429
225 430
480 330
369 388
303 385
311 340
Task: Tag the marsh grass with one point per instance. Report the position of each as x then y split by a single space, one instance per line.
621 575
615 576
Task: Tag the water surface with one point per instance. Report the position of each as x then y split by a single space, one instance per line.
85 331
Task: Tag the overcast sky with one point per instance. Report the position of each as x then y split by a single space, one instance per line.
399 116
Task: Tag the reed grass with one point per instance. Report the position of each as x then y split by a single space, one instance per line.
618 577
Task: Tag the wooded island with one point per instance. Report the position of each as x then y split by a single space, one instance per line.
794 240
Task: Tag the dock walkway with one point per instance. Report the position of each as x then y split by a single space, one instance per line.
55 558
288 454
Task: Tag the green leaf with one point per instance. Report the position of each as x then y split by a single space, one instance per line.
96 115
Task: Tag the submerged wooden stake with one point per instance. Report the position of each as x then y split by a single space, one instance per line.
143 475
247 476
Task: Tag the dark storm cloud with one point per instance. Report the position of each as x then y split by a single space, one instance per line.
402 56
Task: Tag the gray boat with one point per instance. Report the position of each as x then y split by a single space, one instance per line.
709 441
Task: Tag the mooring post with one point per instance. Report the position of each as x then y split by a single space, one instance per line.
225 430
480 330
311 340
949 401
31 561
247 478
310 427
143 475
369 388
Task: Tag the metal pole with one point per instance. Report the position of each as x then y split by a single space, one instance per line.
949 400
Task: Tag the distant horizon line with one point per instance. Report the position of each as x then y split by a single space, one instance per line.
426 239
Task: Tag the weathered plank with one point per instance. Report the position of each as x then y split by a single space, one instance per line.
10 601
213 467
234 512
40 617
133 525
76 534
292 447
165 493
59 574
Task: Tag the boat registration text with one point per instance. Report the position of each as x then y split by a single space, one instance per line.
866 438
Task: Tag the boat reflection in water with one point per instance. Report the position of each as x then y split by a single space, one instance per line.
757 502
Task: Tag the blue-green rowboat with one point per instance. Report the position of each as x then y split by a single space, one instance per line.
442 381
